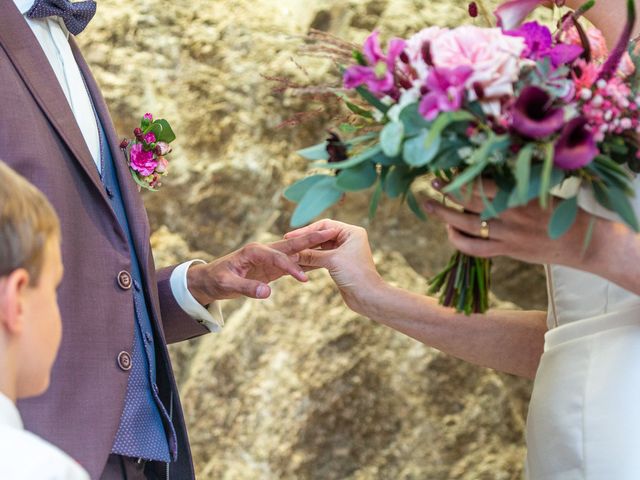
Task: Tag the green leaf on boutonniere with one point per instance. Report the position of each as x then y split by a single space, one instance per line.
563 217
166 134
135 177
358 110
322 195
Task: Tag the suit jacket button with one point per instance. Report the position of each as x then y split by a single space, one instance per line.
124 280
124 361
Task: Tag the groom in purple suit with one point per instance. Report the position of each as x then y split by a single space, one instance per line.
113 402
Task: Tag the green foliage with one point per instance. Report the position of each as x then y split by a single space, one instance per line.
563 217
391 138
357 178
321 195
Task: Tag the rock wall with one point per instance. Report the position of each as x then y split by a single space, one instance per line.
297 387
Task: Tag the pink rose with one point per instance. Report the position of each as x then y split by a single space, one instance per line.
494 57
415 50
142 161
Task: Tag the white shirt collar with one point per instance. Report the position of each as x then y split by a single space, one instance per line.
24 5
9 415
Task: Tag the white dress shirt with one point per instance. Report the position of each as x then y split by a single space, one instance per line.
54 40
25 456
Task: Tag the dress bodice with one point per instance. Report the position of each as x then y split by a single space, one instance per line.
576 295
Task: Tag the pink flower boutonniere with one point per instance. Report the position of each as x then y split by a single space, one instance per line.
146 155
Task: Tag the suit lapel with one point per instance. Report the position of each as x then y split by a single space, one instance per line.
21 46
132 199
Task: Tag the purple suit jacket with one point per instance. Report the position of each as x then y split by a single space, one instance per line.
40 138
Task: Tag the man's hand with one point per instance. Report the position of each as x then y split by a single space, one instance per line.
248 271
347 256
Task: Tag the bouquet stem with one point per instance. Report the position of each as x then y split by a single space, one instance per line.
464 284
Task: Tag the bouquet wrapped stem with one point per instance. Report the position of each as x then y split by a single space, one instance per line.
464 284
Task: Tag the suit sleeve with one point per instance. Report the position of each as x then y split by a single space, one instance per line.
176 323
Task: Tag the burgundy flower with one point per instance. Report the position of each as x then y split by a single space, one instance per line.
446 90
124 143
473 9
378 75
576 146
533 114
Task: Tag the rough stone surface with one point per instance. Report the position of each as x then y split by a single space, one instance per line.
297 387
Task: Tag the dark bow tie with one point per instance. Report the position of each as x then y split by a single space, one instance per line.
76 15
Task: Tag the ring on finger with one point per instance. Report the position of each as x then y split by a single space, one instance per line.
484 229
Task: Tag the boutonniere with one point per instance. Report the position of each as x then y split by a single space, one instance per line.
146 156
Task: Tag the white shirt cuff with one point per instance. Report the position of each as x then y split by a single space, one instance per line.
210 317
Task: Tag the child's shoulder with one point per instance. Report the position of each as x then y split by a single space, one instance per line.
25 456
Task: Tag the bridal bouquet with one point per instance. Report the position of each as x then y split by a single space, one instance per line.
522 105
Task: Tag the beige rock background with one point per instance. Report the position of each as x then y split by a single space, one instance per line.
297 387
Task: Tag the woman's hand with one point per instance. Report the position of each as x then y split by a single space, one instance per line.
348 259
520 232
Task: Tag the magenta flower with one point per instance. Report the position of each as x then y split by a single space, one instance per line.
533 115
150 137
539 44
148 116
378 74
142 161
510 14
576 146
446 90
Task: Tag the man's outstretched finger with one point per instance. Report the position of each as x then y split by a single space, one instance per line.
248 288
312 239
314 227
316 258
261 254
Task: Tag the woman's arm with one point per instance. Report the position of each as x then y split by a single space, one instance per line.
509 341
609 17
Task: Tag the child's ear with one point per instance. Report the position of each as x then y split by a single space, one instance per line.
13 290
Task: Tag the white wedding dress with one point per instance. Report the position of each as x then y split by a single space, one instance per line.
584 416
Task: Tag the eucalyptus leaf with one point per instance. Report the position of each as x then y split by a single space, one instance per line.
353 161
442 122
397 181
391 138
360 177
500 204
414 152
322 195
412 120
523 172
295 192
375 200
535 181
545 179
622 206
414 206
372 99
316 152
563 217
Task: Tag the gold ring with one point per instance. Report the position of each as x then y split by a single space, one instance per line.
484 229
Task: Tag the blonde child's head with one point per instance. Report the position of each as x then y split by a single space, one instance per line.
30 273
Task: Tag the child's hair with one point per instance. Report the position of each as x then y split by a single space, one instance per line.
27 223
